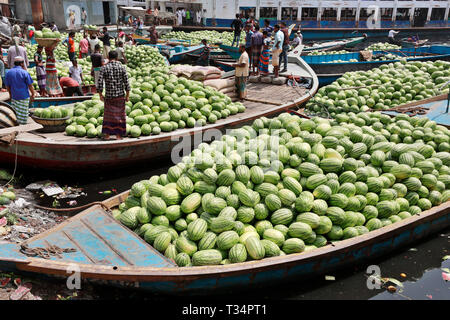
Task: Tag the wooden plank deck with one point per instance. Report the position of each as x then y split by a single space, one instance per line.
279 95
98 240
436 108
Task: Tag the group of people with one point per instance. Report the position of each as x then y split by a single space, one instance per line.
258 47
258 44
107 68
189 17
112 77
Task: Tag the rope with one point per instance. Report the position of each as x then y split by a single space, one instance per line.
75 208
45 253
15 167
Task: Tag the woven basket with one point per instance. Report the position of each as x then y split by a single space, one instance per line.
47 42
51 125
92 31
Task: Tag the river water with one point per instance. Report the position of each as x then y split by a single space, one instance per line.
422 263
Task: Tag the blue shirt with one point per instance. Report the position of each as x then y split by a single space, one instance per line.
18 80
248 39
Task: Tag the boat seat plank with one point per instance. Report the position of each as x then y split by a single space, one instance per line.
436 111
100 240
125 241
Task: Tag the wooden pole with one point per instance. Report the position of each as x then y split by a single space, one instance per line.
38 14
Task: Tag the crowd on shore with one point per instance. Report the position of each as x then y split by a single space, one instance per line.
108 70
257 48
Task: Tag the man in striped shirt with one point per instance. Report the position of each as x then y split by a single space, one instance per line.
113 77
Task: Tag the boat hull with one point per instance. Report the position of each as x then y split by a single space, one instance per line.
217 279
329 72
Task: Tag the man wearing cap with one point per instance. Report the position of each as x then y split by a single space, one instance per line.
17 50
19 85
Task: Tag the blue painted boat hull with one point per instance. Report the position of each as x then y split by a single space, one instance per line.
106 260
329 72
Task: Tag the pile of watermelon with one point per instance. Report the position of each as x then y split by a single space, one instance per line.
143 56
289 185
196 37
382 46
53 112
381 88
159 102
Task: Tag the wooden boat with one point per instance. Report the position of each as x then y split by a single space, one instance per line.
108 253
436 108
56 151
410 43
140 39
333 45
321 46
45 102
178 53
329 72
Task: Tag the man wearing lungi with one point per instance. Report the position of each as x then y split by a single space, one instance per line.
114 78
242 72
19 85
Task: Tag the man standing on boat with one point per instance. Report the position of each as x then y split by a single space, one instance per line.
17 50
236 25
257 42
298 40
84 47
114 78
391 36
106 39
19 85
268 27
97 63
277 49
242 72
93 41
248 40
153 35
285 48
203 59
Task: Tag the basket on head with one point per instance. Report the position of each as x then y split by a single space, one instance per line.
92 31
47 42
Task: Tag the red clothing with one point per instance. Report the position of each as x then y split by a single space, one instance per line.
50 66
84 46
68 82
286 36
71 45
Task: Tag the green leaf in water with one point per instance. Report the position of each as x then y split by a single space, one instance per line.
446 257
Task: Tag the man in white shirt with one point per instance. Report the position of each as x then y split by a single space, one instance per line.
183 14
76 72
242 71
298 40
391 36
93 41
277 49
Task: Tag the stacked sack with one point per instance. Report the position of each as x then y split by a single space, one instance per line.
197 73
225 86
